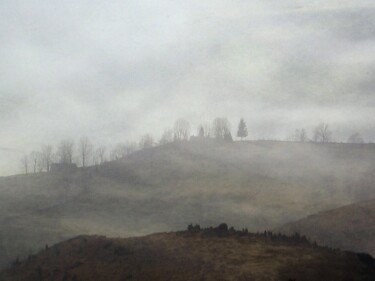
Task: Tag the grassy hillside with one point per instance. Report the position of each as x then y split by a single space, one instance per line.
205 255
351 227
260 185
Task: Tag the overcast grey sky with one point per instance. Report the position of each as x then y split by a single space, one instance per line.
114 70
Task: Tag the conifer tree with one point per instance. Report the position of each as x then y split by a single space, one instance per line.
242 129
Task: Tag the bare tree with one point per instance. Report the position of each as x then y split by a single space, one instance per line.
204 130
100 154
65 151
207 130
356 138
46 157
201 132
121 150
181 130
40 163
25 164
322 133
118 152
303 135
167 137
221 128
35 157
85 150
300 135
146 142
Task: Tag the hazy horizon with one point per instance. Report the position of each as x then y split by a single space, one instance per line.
115 71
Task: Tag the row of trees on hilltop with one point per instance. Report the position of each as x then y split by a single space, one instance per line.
322 134
65 153
220 129
85 154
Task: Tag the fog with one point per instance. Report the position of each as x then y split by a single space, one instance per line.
115 71
258 185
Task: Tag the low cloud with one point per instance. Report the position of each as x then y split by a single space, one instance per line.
117 70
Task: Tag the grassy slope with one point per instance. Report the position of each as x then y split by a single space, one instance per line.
184 256
350 227
254 184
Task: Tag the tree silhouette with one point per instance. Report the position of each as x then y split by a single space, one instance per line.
242 129
181 130
201 132
167 137
322 133
146 141
25 164
35 158
85 150
228 137
221 127
100 154
46 157
65 152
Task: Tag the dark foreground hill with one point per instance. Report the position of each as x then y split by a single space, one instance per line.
211 254
259 185
350 227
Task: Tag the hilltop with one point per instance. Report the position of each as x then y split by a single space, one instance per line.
210 254
259 185
350 227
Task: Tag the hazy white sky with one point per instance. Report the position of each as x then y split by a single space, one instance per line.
114 70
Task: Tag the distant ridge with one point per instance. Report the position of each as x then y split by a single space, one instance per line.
350 227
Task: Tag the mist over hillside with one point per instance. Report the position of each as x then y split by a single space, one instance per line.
258 185
127 118
350 227
112 71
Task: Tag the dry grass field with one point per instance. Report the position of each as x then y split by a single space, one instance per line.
190 256
350 227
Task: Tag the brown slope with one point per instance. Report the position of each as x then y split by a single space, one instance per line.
259 185
350 227
190 256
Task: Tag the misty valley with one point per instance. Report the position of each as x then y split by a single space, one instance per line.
285 188
216 140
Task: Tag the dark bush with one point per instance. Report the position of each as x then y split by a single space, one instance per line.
222 228
194 229
365 258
